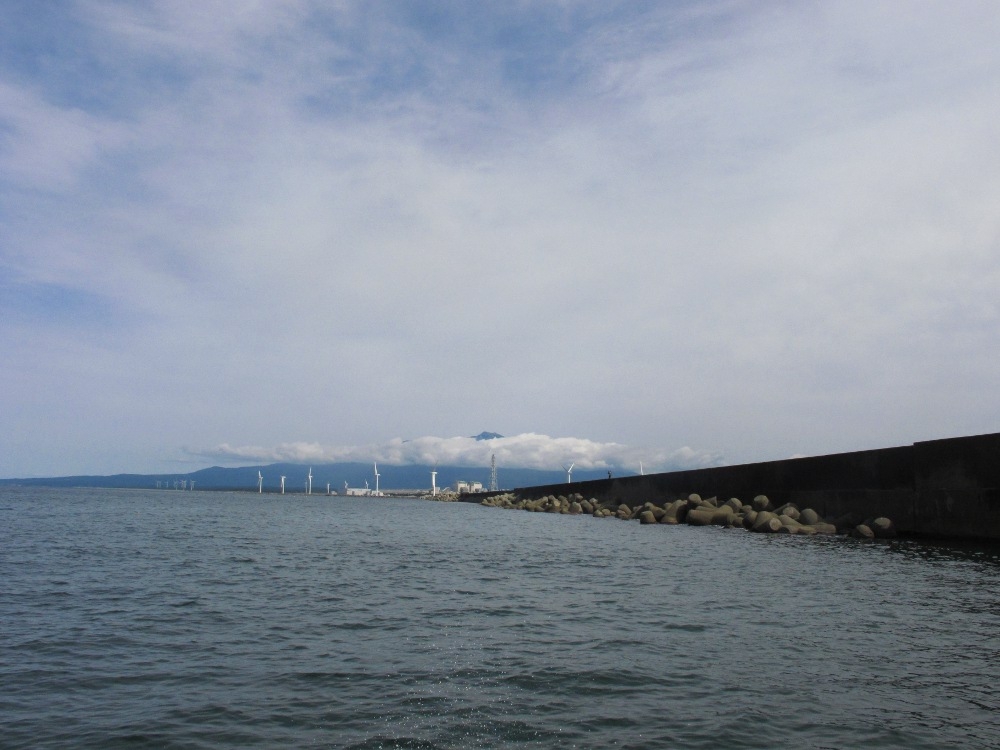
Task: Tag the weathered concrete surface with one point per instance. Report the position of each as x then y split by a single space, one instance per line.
942 488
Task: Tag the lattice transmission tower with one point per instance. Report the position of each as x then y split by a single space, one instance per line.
493 473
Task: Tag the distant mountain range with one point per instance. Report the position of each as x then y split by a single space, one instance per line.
354 474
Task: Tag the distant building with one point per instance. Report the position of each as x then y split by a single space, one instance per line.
462 487
360 491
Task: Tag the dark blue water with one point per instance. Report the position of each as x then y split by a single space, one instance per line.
133 619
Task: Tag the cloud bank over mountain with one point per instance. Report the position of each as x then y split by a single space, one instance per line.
526 451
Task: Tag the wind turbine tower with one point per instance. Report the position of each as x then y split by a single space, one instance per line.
493 473
434 487
569 472
377 475
260 482
283 485
309 489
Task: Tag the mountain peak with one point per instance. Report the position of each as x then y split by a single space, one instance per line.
487 436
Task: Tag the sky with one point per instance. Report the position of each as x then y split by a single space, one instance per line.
690 233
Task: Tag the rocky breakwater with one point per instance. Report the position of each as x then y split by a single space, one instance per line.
759 515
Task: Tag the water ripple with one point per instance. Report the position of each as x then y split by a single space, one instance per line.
214 620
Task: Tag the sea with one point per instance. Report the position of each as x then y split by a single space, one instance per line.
171 619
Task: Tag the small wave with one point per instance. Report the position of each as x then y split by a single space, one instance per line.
473 639
394 743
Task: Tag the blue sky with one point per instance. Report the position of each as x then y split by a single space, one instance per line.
682 233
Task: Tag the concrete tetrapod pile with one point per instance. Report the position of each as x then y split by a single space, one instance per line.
760 515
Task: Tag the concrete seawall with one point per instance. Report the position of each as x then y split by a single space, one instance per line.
938 488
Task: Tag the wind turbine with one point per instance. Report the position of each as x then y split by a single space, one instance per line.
641 472
569 472
282 485
434 487
377 475
309 491
260 482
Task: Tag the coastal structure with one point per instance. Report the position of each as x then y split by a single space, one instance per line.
937 488
366 491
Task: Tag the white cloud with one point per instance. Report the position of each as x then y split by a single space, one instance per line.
766 229
528 450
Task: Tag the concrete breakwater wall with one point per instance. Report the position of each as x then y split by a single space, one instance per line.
939 488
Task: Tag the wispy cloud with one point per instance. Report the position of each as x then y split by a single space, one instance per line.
766 228
528 450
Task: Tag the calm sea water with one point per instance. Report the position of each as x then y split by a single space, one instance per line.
133 619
